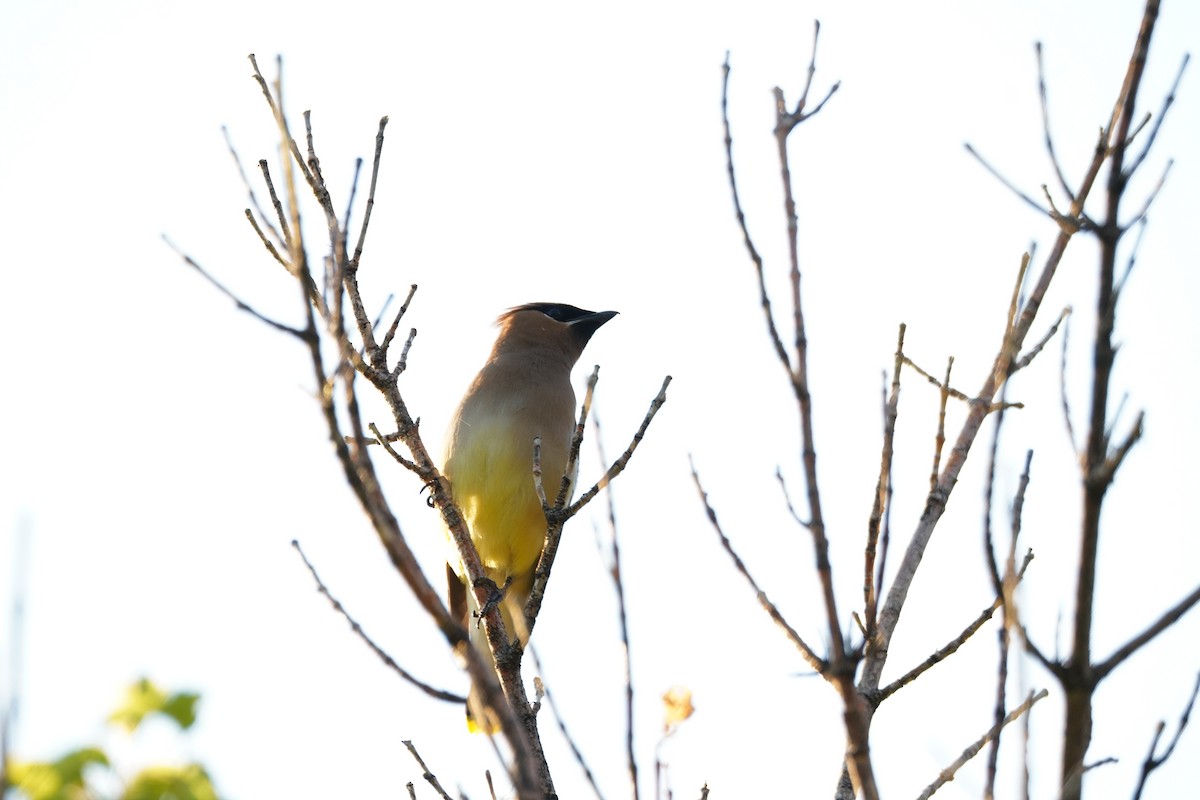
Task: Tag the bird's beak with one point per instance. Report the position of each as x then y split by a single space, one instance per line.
588 324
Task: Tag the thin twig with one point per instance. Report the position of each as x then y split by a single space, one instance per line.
544 691
993 756
939 439
622 461
1153 762
386 442
989 485
1162 115
237 161
1151 196
242 305
437 694
883 484
286 235
391 331
1062 389
351 272
949 390
559 513
1049 212
755 257
426 774
358 162
1168 618
787 498
1062 181
817 663
949 772
1026 359
944 652
267 243
1119 286
614 571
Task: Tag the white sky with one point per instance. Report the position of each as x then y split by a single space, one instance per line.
163 449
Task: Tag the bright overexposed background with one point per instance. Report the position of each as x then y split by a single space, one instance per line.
161 449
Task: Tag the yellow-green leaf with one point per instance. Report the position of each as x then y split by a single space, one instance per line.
141 698
56 780
189 782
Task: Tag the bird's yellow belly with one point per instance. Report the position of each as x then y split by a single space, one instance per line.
492 482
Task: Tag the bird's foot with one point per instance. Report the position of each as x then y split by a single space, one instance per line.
495 596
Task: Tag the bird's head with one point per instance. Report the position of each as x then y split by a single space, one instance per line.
556 325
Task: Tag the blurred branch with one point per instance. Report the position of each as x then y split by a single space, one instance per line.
1168 618
1153 762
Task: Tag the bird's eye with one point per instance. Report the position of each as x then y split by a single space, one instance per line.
560 312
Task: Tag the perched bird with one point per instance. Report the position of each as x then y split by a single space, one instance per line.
523 391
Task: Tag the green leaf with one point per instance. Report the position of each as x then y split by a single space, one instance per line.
189 782
141 698
144 697
56 780
181 707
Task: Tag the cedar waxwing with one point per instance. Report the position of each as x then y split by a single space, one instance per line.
524 390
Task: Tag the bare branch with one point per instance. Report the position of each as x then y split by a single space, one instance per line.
1062 181
1168 618
764 298
559 513
944 652
1152 761
351 271
622 461
993 756
939 439
1119 286
614 571
949 772
1026 359
1063 221
1162 115
816 662
276 105
391 331
544 691
426 774
266 242
237 161
277 204
1062 387
386 441
437 694
345 226
891 410
787 498
1117 457
1140 216
797 116
949 390
242 305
